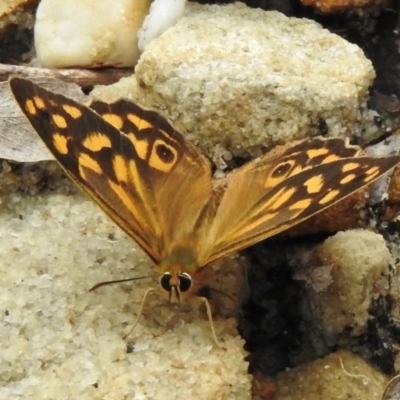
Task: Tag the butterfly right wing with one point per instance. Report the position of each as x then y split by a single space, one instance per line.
269 195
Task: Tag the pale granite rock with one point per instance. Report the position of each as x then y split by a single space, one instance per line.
241 79
355 265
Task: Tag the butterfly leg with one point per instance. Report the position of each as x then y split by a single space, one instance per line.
202 299
140 312
210 319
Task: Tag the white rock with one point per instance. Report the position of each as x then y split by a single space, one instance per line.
91 32
163 14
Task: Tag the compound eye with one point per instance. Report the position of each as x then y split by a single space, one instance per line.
165 281
185 282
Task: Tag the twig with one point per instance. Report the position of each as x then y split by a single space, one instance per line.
82 77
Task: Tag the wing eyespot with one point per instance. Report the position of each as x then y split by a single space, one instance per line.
165 153
282 170
163 157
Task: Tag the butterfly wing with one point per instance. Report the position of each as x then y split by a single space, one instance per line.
179 195
268 196
142 172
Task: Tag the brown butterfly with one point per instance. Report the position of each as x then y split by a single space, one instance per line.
158 187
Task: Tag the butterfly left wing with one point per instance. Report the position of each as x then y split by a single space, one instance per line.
268 196
145 179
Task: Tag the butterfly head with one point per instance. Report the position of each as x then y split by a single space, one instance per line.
176 284
178 273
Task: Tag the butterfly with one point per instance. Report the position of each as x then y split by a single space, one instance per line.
158 187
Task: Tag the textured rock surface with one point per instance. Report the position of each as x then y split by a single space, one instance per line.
61 342
238 79
358 262
339 376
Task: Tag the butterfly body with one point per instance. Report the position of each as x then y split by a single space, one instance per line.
158 188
